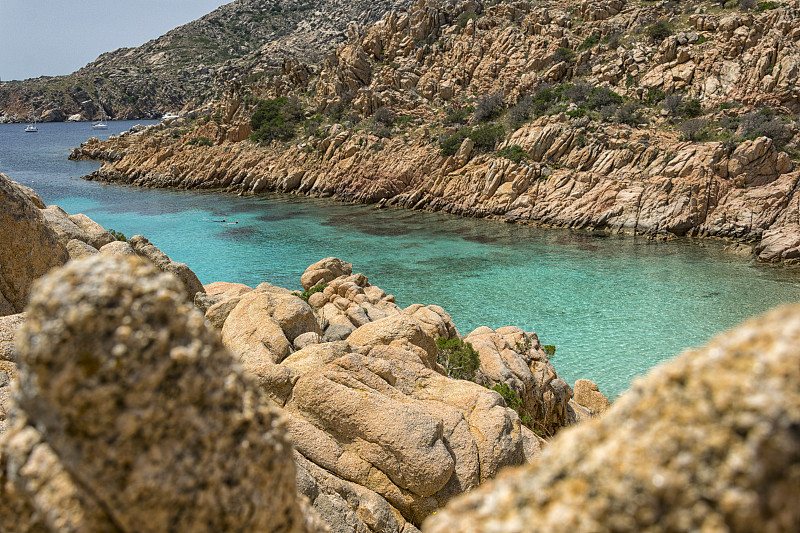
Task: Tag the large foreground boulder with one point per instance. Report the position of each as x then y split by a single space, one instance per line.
28 246
706 442
131 415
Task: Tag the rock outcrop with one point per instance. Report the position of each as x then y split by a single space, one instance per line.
708 441
131 415
144 248
604 126
36 238
383 438
28 246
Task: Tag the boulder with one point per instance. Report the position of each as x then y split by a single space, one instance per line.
381 419
117 248
513 357
77 249
65 228
588 395
146 249
8 330
324 271
28 247
96 235
263 324
706 442
133 416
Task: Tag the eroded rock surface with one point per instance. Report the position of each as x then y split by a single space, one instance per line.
376 423
708 441
131 415
28 247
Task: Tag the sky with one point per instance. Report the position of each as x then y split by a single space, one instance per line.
56 37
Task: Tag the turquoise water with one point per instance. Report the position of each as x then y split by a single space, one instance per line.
614 306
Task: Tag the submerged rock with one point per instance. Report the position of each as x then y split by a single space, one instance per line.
133 417
706 442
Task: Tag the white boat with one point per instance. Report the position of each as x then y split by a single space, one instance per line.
100 124
169 116
31 128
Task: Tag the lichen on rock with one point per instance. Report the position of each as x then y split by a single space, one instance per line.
132 416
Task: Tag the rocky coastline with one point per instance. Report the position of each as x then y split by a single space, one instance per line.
382 435
432 66
134 399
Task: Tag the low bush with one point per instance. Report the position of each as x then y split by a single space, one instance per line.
459 116
384 115
563 54
118 235
660 30
459 359
485 137
513 401
766 123
305 295
590 42
488 106
273 120
514 152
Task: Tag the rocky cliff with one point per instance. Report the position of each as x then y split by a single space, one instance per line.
665 119
184 67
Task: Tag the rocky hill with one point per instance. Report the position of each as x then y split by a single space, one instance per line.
664 119
183 67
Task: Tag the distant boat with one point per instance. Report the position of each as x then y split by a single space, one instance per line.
31 128
100 124
169 116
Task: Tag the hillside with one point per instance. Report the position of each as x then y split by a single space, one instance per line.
664 119
183 67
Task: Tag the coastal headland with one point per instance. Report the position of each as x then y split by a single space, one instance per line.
618 116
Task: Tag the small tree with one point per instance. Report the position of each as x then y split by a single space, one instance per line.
459 358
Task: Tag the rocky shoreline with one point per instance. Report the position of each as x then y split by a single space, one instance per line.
134 399
572 168
382 436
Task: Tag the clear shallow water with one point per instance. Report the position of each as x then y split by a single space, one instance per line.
614 306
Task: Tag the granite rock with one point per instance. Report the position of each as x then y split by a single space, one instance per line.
133 417
705 442
28 247
146 249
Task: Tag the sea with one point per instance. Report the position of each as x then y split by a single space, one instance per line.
613 306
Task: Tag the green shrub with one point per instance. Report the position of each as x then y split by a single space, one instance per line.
514 152
549 349
488 106
463 18
458 358
590 42
485 137
273 120
200 141
660 30
765 6
459 116
118 235
513 401
305 295
563 54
